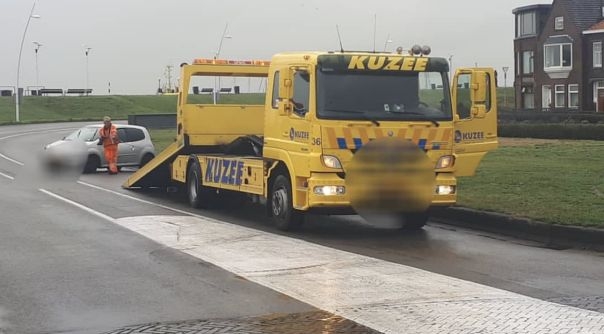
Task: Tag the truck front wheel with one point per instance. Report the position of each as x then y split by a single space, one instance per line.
281 207
414 221
199 195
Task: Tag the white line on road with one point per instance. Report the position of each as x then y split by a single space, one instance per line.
78 205
7 176
36 132
11 160
142 200
25 134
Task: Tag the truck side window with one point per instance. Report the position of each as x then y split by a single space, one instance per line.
275 97
463 99
301 97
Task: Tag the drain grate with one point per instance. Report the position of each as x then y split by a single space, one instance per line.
297 323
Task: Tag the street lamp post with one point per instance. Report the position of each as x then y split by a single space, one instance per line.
17 98
87 51
38 45
505 85
450 67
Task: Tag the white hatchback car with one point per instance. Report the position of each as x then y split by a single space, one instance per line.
135 147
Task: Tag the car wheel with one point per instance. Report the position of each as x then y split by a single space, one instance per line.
145 159
92 163
281 207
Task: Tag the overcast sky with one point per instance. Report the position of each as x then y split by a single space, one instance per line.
133 40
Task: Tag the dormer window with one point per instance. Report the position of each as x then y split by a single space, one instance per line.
559 23
526 24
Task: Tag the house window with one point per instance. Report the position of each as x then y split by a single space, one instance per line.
527 62
598 85
558 56
528 97
573 96
518 63
526 24
546 97
559 96
559 23
597 54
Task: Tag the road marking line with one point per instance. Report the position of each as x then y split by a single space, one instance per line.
11 160
78 205
142 200
25 134
36 132
385 296
7 176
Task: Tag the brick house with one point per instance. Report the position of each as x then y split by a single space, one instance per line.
558 56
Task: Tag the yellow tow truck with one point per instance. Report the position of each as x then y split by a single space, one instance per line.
339 132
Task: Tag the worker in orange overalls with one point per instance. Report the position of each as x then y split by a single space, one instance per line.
109 139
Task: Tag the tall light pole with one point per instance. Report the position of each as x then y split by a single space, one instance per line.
37 47
505 85
87 52
451 68
17 98
216 55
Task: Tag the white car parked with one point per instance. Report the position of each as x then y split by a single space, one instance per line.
135 147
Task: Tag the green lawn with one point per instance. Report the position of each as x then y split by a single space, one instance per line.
552 181
162 138
73 108
85 108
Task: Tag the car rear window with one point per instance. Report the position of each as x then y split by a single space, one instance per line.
134 134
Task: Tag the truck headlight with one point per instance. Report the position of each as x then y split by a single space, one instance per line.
329 190
445 190
331 162
445 161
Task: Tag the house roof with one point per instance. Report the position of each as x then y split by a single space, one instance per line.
584 13
530 7
597 26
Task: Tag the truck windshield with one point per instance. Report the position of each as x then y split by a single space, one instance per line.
400 96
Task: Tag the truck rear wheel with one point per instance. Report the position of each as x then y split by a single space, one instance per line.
414 221
285 217
200 196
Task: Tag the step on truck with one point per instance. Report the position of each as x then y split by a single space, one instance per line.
338 132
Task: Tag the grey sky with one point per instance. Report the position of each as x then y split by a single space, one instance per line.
133 40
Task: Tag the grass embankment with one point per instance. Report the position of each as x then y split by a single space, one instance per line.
35 109
83 108
552 181
162 138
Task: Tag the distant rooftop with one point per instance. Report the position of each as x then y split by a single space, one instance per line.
531 7
597 26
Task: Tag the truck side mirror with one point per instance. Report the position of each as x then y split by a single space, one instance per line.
285 93
478 92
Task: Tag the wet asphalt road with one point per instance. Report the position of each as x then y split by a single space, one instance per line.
65 270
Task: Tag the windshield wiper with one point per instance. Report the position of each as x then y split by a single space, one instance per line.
433 121
372 120
364 115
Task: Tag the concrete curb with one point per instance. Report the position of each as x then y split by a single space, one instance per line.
555 236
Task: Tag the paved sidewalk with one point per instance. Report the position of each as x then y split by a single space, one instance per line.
381 295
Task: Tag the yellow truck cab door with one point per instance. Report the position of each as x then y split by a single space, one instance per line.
475 111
